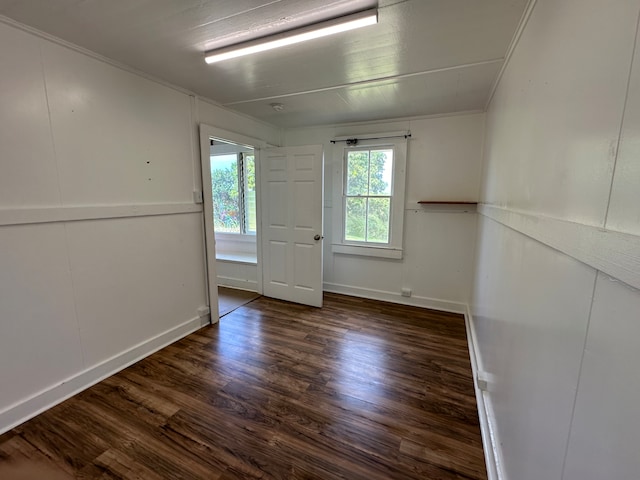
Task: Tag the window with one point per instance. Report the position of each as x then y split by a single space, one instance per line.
368 181
233 182
371 197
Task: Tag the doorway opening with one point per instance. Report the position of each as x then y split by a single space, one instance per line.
262 217
232 209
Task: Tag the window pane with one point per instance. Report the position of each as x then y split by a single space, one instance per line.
381 172
355 219
250 193
378 220
224 182
357 172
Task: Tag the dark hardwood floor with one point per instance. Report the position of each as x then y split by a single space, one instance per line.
356 390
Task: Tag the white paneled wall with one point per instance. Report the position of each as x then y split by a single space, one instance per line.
558 156
83 139
530 337
557 339
237 275
624 209
443 163
118 137
28 161
39 334
212 114
604 437
161 259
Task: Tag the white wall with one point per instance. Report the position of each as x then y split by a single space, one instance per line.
555 328
444 163
101 245
237 274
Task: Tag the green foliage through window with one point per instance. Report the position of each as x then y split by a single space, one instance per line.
368 181
233 181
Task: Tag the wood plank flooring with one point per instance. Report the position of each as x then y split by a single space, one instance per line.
356 390
231 298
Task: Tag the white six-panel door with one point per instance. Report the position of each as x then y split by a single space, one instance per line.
292 223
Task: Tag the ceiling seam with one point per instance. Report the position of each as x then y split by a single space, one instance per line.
367 82
411 118
244 12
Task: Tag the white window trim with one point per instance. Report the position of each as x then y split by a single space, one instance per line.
394 248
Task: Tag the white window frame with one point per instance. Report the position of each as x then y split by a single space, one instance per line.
393 249
241 153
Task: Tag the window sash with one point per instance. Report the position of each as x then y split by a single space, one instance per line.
394 249
346 196
345 182
243 211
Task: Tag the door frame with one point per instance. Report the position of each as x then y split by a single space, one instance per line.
206 133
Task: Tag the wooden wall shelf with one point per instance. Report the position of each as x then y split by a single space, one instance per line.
447 206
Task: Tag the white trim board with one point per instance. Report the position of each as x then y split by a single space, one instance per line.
393 297
24 410
490 443
615 253
23 216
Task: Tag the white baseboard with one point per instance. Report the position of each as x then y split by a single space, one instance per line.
28 408
250 285
415 301
490 443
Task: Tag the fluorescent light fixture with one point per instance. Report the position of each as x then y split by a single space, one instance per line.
323 29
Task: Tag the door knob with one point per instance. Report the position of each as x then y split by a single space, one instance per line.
317 237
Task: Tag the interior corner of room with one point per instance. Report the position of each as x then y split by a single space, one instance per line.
478 158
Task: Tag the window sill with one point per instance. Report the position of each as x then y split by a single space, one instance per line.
237 257
235 237
379 252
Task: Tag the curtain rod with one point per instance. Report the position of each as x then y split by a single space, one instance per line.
354 141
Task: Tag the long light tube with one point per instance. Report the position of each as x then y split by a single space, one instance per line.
323 29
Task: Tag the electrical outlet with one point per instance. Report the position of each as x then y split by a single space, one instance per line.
197 196
406 292
482 382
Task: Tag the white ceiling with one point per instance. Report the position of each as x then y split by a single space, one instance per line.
424 57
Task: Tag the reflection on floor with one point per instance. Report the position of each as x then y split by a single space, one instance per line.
231 298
